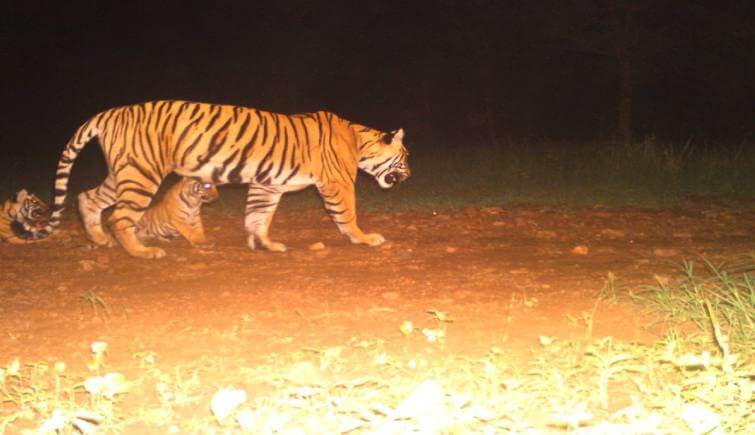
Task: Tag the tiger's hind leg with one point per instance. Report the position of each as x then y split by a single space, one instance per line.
340 203
91 204
261 203
134 192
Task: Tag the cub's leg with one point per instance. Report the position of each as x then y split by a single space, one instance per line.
340 202
261 203
91 204
134 192
194 233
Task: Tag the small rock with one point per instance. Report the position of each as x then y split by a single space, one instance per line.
451 249
580 250
425 401
317 246
499 224
225 401
682 235
406 327
412 228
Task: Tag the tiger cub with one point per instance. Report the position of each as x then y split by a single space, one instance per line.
20 215
178 213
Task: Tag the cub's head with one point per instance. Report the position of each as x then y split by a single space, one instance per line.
384 157
29 208
27 213
204 192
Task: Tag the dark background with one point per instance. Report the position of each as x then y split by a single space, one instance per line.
452 73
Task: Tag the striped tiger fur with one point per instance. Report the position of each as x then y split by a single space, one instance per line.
220 144
20 216
178 213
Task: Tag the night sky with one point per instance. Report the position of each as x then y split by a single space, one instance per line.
451 73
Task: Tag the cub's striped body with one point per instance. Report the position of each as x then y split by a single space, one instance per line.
178 213
20 216
219 144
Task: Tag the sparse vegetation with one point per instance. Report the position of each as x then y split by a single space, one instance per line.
700 381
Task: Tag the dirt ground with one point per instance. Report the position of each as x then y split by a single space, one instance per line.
505 277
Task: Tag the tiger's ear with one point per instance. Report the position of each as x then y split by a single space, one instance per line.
398 135
394 136
20 195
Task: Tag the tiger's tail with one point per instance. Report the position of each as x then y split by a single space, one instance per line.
83 135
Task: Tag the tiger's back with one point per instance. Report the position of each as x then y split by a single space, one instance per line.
178 213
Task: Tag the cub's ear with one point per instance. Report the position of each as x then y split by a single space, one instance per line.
20 195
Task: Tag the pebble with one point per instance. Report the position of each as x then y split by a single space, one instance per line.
317 246
580 250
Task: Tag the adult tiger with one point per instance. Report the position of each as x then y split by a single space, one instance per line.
220 144
178 213
20 216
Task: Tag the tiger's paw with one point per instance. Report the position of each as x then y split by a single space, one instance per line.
275 246
265 244
373 239
149 253
101 238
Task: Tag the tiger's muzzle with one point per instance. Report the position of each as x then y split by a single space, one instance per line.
397 176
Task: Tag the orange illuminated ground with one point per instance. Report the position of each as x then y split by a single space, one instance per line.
505 277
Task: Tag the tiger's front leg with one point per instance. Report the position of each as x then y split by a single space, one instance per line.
340 202
194 233
261 203
134 193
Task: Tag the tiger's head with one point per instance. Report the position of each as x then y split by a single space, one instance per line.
385 158
204 192
27 213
